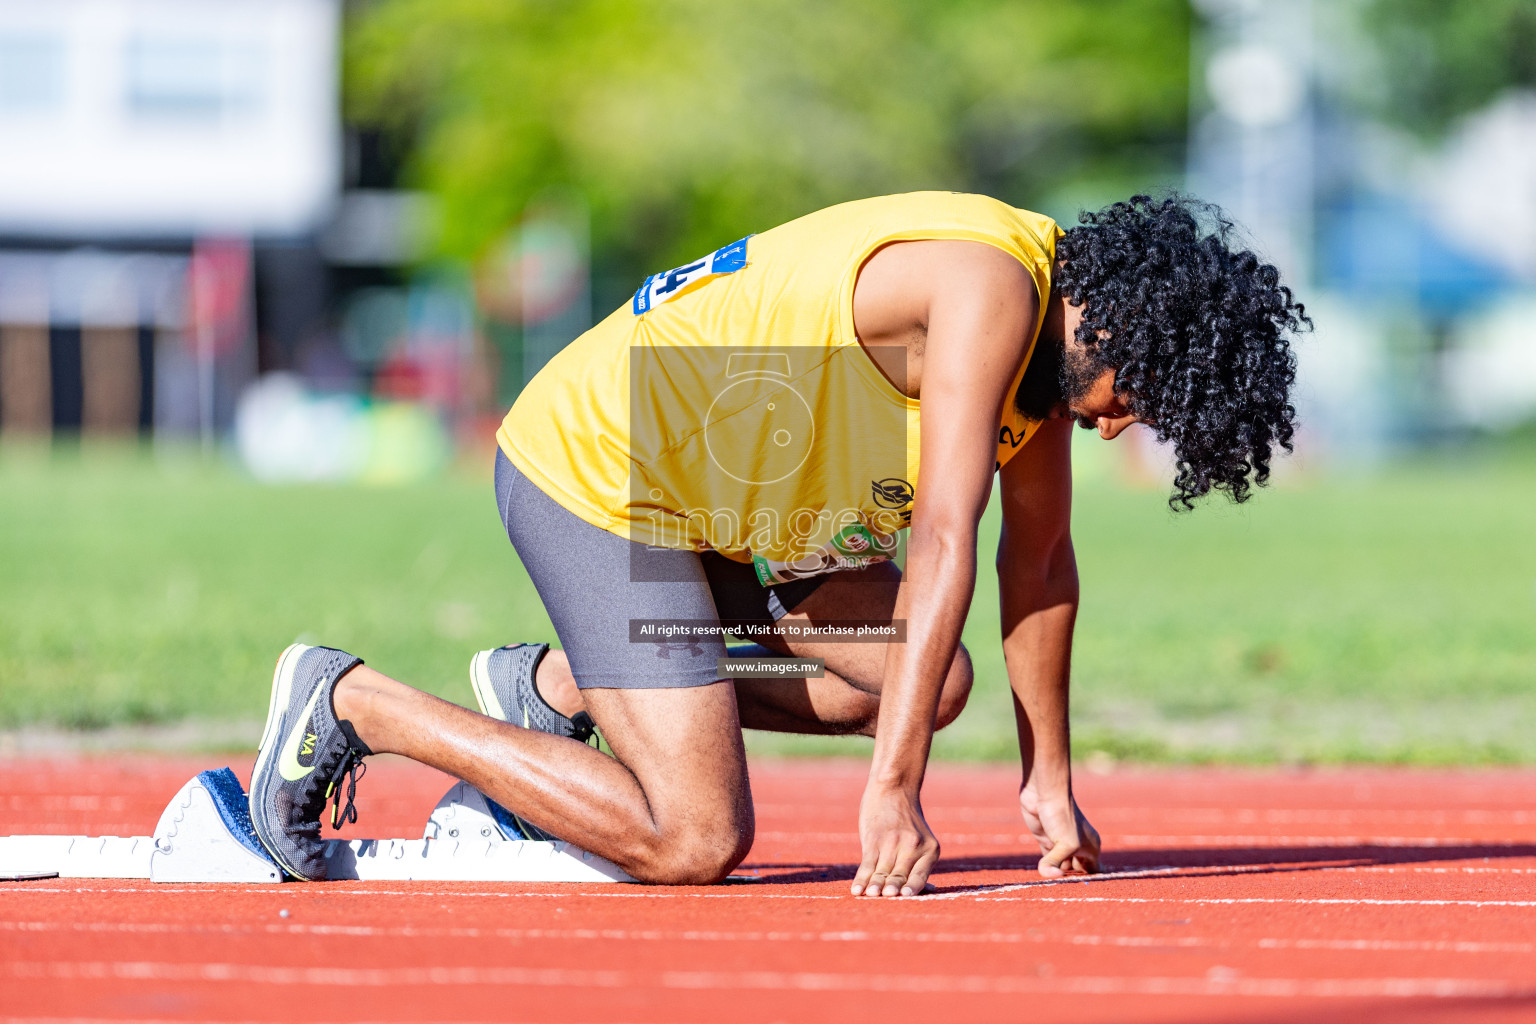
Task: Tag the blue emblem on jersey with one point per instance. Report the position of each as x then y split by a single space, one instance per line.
658 288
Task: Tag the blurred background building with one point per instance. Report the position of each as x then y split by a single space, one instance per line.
338 238
161 160
194 248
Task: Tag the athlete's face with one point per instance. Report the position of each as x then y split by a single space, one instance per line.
1101 408
1090 397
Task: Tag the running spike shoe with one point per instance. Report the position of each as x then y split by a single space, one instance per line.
305 754
503 681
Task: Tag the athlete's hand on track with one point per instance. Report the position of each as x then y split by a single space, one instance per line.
1068 843
899 847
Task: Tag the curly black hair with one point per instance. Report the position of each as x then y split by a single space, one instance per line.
1195 330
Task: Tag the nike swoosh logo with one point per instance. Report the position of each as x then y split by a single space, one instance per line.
288 762
525 718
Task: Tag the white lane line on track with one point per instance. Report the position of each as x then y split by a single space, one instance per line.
1264 841
703 935
192 890
1215 900
1004 815
1222 984
210 1020
1024 842
1305 816
961 866
981 895
1258 841
119 1020
1196 870
1398 945
1161 871
1418 869
325 889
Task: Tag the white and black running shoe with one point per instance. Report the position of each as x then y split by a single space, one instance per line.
304 755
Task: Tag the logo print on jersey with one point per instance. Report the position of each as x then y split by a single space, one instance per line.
658 288
892 492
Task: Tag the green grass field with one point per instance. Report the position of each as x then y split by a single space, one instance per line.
1388 616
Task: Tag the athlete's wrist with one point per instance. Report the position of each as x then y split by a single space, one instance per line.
896 776
1048 776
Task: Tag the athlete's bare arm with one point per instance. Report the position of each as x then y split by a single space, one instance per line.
965 313
1038 591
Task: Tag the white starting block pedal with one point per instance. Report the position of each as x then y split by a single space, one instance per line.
469 838
205 835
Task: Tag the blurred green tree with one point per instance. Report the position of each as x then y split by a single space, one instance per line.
687 123
1443 58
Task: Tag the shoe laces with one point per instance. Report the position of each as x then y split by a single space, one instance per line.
353 768
584 729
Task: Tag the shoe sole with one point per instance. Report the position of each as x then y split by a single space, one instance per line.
480 683
271 736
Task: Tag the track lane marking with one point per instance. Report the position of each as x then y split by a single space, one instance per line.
1168 871
1259 841
1164 871
985 894
1395 869
705 935
210 1020
1217 982
1239 815
1223 900
125 1020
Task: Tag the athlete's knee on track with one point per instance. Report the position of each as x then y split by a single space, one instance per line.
695 854
957 688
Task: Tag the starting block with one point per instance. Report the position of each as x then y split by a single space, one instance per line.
205 835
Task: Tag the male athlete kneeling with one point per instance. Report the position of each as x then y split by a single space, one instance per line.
738 448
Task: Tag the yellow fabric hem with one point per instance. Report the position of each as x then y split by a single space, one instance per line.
566 500
580 509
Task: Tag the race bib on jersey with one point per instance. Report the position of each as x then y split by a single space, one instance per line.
854 547
658 288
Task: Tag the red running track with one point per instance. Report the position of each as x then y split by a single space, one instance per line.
1257 896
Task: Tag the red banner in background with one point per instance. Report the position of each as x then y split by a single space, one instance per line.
218 290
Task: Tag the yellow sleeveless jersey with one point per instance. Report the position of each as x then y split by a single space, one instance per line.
730 406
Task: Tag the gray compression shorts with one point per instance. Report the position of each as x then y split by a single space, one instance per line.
598 589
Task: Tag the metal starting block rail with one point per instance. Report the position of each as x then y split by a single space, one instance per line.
205 835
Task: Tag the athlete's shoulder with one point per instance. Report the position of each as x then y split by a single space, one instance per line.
940 212
923 204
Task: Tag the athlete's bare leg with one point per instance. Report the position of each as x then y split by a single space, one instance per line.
845 701
671 806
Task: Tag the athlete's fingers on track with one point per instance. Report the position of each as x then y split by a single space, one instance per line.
885 866
892 875
1086 859
914 858
1062 853
917 879
870 868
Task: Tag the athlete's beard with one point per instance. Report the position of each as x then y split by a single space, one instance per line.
1055 376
